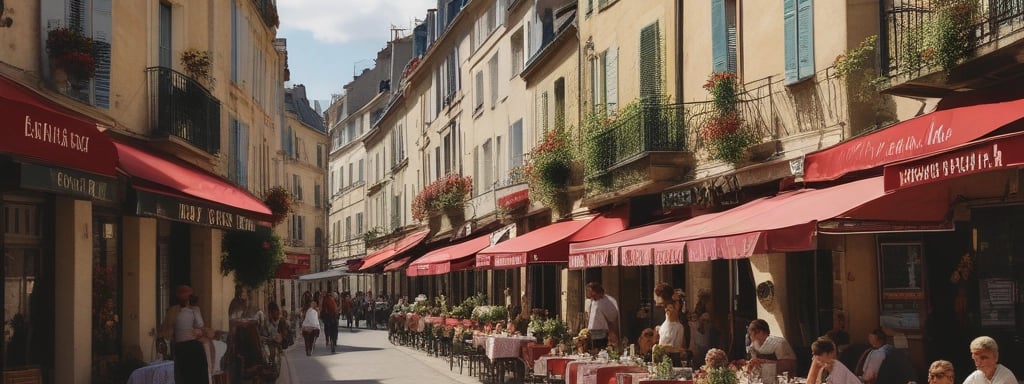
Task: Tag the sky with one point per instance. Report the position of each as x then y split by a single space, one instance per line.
329 40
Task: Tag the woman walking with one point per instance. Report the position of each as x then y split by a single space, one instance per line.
310 327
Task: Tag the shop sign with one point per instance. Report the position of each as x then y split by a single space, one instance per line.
592 259
509 260
192 212
635 257
66 181
668 255
989 155
514 199
936 131
483 261
37 130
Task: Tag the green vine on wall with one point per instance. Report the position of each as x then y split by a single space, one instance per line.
944 40
549 170
724 132
856 66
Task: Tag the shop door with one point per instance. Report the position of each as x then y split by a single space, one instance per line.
989 294
28 289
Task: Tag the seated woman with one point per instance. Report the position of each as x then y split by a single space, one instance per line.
985 353
672 332
765 347
824 365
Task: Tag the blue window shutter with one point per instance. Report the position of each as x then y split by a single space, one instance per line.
719 42
790 32
805 39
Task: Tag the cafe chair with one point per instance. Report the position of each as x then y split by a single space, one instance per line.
607 375
23 376
556 370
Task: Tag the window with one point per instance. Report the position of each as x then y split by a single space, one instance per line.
478 102
486 166
447 153
396 211
798 20
165 35
515 151
397 146
543 106
316 196
604 80
650 63
723 35
437 163
351 175
297 187
359 223
517 52
361 167
333 183
301 230
319 156
348 227
492 66
560 103
239 152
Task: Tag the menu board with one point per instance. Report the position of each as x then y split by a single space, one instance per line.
997 302
902 285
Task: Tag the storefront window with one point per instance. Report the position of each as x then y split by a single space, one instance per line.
106 296
991 279
902 283
28 288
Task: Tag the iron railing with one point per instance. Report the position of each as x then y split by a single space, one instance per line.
635 131
906 22
181 107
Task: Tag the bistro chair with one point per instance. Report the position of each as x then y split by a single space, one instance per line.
607 375
556 370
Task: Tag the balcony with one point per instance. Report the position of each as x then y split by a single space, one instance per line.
982 49
649 140
182 109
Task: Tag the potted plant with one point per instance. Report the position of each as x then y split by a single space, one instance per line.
197 63
72 54
447 194
252 256
279 200
549 170
724 132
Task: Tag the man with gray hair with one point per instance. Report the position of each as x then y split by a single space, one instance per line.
985 353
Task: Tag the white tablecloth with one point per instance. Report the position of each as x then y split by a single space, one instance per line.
157 372
504 347
540 367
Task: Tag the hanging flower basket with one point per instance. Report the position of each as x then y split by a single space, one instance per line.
444 195
72 52
280 201
252 256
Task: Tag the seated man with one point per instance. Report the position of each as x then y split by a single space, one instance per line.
766 347
875 356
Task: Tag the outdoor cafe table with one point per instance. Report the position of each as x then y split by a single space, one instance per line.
585 371
540 367
501 346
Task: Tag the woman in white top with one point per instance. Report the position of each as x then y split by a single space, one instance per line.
824 365
184 325
985 353
310 327
672 332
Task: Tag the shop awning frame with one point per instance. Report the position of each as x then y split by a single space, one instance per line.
449 259
393 250
548 244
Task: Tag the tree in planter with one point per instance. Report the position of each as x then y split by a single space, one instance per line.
71 51
549 170
724 132
252 256
447 193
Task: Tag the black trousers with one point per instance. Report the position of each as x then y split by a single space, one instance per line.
331 329
190 363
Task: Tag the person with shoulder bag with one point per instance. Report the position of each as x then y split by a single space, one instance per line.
310 327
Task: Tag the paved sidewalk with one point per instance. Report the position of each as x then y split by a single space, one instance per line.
366 356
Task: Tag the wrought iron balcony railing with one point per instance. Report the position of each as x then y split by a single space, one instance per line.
906 24
649 127
181 107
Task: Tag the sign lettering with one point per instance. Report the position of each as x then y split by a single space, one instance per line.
511 260
52 134
71 182
667 256
632 257
989 155
186 211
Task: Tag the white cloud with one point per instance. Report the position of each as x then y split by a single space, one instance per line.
343 21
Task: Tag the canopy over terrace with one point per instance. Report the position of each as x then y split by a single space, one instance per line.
603 251
452 258
393 250
548 244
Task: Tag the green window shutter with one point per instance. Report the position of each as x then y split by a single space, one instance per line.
805 39
650 62
719 41
790 32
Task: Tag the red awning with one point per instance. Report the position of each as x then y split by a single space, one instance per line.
40 130
354 264
290 270
783 223
397 264
148 169
921 135
992 154
393 250
441 261
602 251
549 244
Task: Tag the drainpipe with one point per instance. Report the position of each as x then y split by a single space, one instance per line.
679 51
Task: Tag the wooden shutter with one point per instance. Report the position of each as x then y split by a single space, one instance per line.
790 31
650 62
719 41
611 79
805 39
